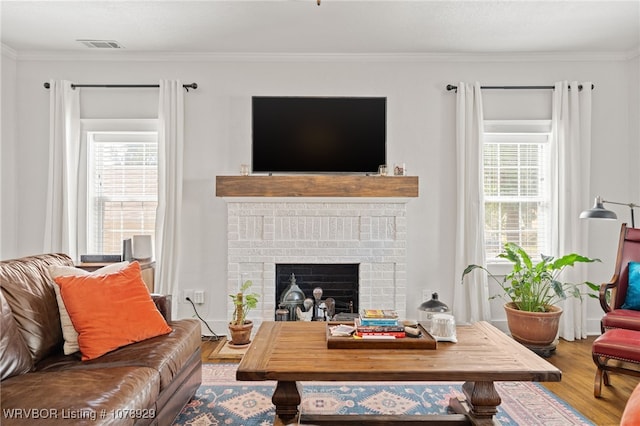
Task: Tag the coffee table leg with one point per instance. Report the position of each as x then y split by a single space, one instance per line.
481 403
286 398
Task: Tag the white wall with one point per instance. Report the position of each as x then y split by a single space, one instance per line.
420 133
9 126
634 126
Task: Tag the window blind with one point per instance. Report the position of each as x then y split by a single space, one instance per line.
122 189
516 164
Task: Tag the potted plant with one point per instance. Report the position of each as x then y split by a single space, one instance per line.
532 290
239 326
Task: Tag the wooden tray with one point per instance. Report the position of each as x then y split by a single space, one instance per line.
426 341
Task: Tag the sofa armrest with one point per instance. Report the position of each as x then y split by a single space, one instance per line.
163 303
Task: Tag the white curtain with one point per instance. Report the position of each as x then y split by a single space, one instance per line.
471 299
61 216
168 216
571 159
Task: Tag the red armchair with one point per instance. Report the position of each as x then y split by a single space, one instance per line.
614 316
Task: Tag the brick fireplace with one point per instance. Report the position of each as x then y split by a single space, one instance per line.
318 219
370 232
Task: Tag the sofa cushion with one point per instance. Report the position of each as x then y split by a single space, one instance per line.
69 333
15 357
632 298
111 311
28 289
89 392
166 354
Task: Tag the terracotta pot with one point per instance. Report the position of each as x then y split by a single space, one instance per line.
241 334
533 328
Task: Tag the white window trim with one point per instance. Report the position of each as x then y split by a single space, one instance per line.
88 125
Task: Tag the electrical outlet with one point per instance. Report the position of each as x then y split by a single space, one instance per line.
188 294
198 297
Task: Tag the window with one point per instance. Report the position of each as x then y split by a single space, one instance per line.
122 187
517 196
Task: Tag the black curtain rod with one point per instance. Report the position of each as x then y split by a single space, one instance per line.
455 88
124 86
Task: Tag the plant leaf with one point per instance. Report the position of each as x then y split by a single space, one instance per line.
470 268
571 259
534 287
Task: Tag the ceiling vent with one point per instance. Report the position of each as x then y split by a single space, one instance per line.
101 44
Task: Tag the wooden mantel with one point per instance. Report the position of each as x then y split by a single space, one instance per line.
317 186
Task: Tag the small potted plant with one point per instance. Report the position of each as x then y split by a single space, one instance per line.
239 326
532 290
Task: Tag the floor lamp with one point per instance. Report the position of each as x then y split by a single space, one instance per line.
599 212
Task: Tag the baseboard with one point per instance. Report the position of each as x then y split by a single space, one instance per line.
220 327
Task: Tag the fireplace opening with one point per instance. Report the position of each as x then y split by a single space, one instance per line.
337 281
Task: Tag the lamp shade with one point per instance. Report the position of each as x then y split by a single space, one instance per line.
598 212
141 247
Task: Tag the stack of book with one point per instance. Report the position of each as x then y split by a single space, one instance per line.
379 324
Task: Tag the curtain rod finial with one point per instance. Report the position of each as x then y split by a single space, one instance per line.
193 86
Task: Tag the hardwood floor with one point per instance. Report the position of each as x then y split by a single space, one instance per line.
576 387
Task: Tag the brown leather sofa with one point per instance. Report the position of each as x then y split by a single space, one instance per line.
148 382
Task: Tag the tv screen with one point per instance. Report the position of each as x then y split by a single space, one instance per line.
318 134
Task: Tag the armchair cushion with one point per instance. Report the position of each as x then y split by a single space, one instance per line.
111 311
621 318
618 344
632 299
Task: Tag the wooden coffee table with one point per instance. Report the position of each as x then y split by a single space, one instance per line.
291 352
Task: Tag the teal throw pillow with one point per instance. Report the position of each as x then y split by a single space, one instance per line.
632 301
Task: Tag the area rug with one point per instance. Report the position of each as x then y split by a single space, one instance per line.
221 400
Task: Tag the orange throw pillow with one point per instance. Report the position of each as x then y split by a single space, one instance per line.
110 311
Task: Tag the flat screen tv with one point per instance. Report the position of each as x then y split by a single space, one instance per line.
318 134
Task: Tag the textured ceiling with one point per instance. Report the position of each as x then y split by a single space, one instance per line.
336 26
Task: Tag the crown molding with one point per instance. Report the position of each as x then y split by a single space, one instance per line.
77 56
9 52
632 54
